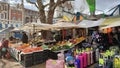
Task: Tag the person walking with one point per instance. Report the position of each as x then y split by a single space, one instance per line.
4 48
24 38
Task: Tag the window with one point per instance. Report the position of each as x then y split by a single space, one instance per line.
13 18
5 7
2 16
5 15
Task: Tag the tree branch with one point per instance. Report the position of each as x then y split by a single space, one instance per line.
46 4
36 5
60 2
33 3
52 3
40 4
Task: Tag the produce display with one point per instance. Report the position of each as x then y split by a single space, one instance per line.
23 46
63 45
28 50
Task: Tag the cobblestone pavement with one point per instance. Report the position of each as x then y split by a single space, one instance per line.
11 63
4 63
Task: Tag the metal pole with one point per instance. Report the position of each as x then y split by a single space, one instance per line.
23 12
86 34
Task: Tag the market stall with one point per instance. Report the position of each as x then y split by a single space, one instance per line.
64 25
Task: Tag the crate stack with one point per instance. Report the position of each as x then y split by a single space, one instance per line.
34 58
38 57
27 59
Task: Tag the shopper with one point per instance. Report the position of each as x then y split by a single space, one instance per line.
4 48
0 50
24 38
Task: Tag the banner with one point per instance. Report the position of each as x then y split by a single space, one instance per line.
91 4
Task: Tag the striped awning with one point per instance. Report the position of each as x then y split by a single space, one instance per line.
5 25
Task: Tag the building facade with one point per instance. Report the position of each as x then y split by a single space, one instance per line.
4 14
15 16
30 15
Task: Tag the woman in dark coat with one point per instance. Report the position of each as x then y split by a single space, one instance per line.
24 38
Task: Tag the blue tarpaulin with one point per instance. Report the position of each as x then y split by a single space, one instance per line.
17 35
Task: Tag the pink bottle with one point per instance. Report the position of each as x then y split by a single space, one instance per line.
91 57
88 58
81 60
84 59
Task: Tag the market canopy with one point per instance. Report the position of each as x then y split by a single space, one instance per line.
63 24
90 23
38 26
16 29
114 24
109 21
6 30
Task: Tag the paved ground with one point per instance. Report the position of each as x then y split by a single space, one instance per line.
11 63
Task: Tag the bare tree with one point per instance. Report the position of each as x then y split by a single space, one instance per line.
47 18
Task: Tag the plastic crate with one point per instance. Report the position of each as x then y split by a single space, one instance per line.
26 56
27 63
39 57
27 59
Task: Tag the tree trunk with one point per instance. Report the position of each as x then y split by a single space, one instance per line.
50 21
42 16
50 17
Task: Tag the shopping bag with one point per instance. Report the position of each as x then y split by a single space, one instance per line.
55 63
61 56
69 60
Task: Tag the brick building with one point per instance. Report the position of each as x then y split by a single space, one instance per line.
4 14
15 16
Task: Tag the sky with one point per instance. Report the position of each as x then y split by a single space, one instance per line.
102 6
26 5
